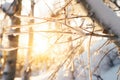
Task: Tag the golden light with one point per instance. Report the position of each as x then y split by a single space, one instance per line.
41 40
40 44
23 44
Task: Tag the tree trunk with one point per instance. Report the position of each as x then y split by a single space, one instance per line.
10 65
27 67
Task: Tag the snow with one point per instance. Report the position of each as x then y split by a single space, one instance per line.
108 66
41 76
6 6
64 74
106 70
105 15
118 2
111 74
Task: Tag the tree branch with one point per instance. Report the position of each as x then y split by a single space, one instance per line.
104 16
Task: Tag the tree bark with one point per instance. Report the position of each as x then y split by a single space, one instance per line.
10 65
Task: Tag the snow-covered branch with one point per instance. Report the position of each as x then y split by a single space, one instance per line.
106 17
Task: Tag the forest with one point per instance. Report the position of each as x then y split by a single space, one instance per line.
59 40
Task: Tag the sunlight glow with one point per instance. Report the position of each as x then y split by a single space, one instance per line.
40 44
42 9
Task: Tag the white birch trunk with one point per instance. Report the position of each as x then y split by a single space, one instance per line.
10 65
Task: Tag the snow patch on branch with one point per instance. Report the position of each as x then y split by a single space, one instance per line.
105 16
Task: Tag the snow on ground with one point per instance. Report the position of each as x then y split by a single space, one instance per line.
111 74
41 76
107 66
64 74
107 70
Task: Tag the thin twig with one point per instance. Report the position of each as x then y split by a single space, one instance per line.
102 59
67 57
40 31
57 13
89 56
48 7
106 42
69 40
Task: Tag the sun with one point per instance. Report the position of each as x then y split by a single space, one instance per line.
40 44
